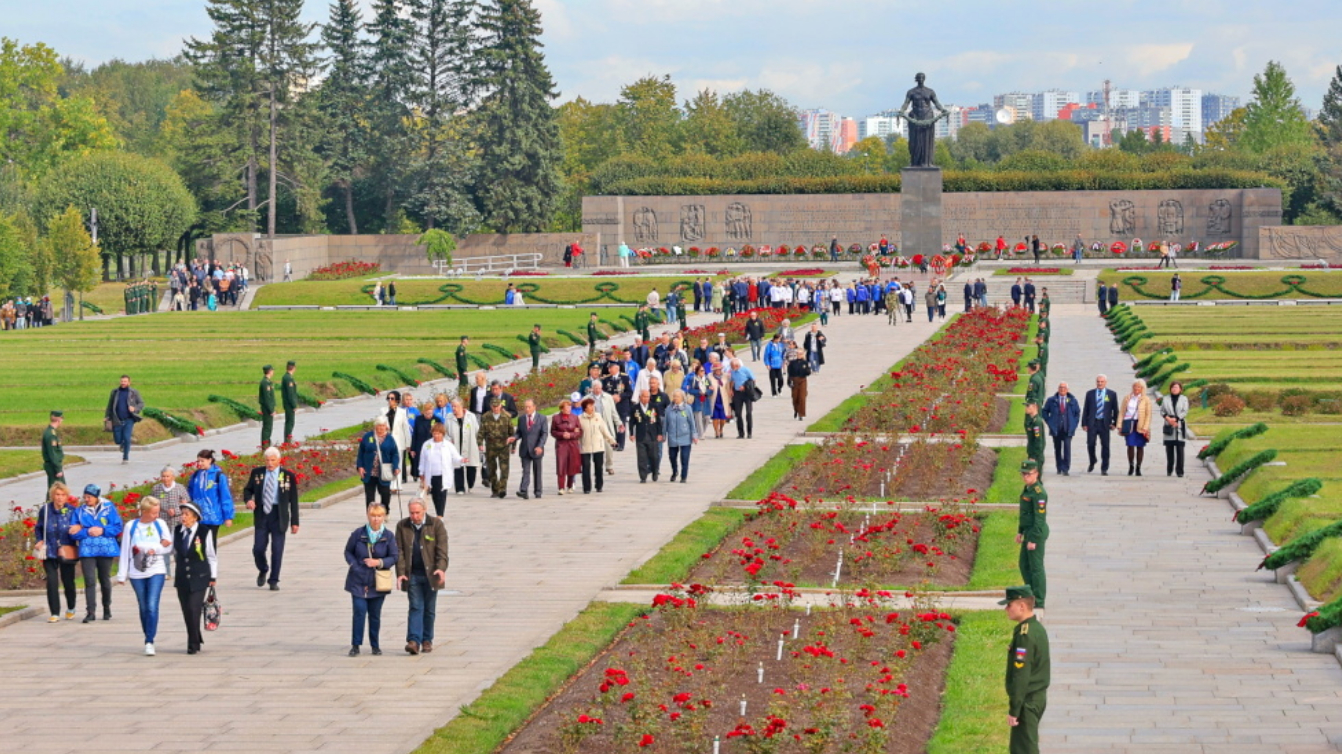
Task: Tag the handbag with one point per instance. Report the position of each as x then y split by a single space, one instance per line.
1128 424
107 425
385 472
40 550
68 553
213 610
382 579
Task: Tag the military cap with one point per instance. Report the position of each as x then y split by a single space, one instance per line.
56 414
1033 363
495 402
267 368
291 365
1016 593
1029 465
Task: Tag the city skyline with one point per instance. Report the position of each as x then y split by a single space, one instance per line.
596 46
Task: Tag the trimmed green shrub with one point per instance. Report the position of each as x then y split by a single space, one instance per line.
242 410
1264 508
173 423
1238 470
1218 447
358 384
1301 547
435 366
405 377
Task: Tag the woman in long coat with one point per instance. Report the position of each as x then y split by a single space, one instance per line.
566 430
463 430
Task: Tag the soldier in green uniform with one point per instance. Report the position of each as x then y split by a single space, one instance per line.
1034 391
266 397
1041 343
463 366
496 432
53 454
534 343
681 315
1044 303
1032 531
1027 671
1044 328
153 296
593 335
642 323
289 396
1034 434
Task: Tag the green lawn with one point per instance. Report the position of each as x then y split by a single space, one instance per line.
177 360
14 609
996 564
1006 477
1237 284
483 724
629 289
16 462
974 706
1007 272
674 561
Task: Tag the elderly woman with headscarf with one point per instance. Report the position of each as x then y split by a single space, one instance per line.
567 431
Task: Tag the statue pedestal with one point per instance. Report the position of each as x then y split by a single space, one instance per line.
920 212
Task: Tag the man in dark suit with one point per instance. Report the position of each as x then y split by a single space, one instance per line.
981 293
529 439
1062 414
1113 295
272 493
509 402
1099 416
1028 291
1016 293
649 432
618 386
638 353
477 398
969 295
1102 298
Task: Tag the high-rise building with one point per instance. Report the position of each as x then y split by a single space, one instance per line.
1217 107
882 124
844 136
820 127
1185 106
1119 99
1019 104
949 127
1045 105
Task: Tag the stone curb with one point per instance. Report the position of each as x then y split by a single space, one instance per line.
39 474
21 615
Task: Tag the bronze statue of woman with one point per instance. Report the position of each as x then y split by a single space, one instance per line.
922 120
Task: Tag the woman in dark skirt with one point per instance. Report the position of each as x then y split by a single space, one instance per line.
1136 425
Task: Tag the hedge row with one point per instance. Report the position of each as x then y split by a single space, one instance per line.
952 181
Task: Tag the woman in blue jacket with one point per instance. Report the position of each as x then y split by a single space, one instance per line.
54 521
374 447
682 431
368 549
209 491
96 528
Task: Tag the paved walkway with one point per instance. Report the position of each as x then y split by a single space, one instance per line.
1164 638
275 677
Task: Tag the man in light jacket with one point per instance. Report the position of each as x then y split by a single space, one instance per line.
421 571
607 410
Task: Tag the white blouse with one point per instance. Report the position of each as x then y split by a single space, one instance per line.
143 553
1133 402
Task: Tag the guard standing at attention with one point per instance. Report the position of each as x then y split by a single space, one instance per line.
1027 672
593 335
289 397
534 343
1044 303
266 397
1041 343
1034 434
463 366
1034 392
53 453
1032 531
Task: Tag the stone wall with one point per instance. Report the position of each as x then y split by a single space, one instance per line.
1206 216
1303 243
398 254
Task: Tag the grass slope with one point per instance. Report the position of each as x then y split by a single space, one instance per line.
16 462
974 706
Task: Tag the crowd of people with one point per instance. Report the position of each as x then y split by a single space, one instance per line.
27 312
206 284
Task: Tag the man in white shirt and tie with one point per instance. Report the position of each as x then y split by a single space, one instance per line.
272 494
531 433
1099 416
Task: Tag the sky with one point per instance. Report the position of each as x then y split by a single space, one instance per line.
853 58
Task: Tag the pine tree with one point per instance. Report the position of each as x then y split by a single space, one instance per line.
1330 117
343 102
444 61
393 81
288 61
228 76
518 137
1329 129
1273 117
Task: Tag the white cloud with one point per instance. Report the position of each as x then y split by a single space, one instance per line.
1146 59
809 84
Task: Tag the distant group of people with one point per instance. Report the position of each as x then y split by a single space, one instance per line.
26 312
206 284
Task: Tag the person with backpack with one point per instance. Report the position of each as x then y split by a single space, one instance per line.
146 544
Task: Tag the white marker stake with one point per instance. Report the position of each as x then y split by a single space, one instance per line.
743 705
808 611
717 741
779 658
796 626
838 569
760 679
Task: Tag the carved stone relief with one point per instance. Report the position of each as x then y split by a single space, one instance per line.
739 222
692 222
645 225
1122 217
1170 217
1218 218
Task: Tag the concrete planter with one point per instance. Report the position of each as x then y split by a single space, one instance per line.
1325 642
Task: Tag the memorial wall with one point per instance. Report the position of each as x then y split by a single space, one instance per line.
1202 215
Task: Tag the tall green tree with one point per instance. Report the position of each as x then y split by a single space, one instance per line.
73 251
709 128
343 102
135 222
649 117
392 38
765 121
133 96
1273 116
15 268
518 137
1329 129
445 60
288 61
40 126
229 76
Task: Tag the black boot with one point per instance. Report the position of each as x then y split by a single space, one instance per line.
1130 468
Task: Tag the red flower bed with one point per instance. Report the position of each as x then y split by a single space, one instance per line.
860 676
736 326
548 385
1321 266
804 272
345 270
528 274
1137 267
608 273
1232 267
1034 270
